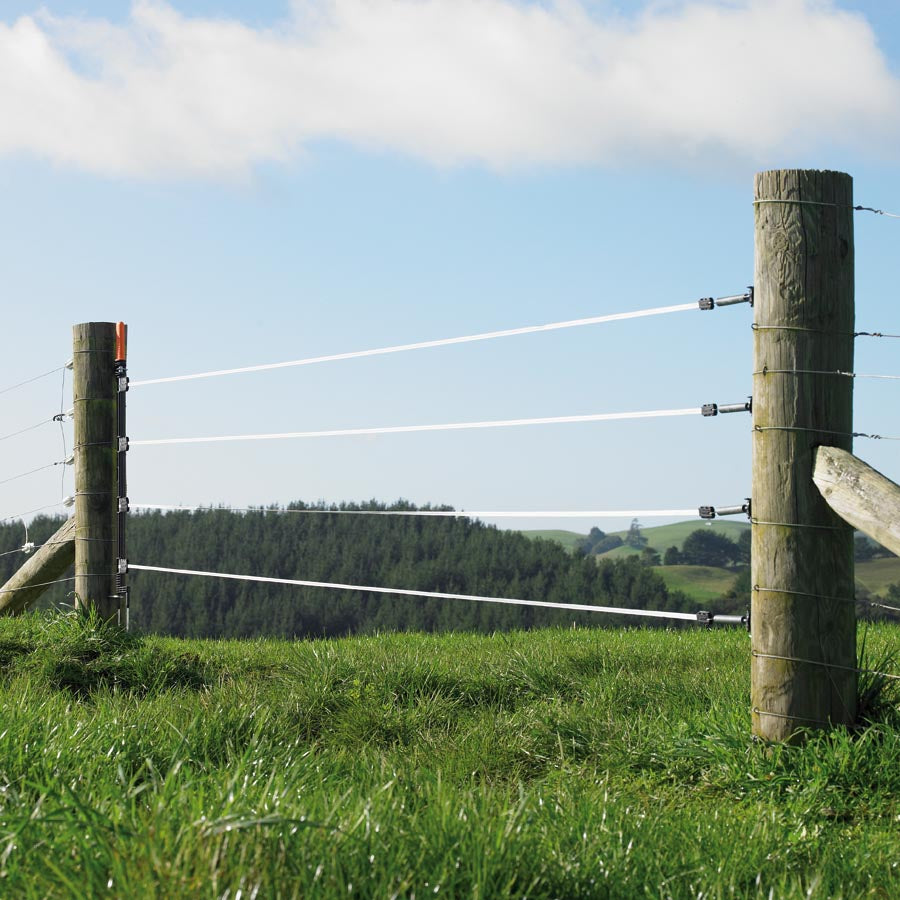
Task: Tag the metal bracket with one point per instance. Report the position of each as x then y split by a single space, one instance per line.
121 567
124 507
123 383
123 444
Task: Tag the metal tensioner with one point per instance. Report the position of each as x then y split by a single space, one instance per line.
713 302
715 409
710 512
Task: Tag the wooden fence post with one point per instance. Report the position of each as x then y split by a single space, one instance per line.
803 615
96 445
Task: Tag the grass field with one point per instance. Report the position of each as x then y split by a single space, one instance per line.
569 764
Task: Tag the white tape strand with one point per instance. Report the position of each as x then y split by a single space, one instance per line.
434 595
423 345
435 513
407 429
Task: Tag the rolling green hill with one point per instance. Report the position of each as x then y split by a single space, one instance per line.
702 583
569 539
877 574
660 537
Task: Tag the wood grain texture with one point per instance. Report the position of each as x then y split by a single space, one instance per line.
804 280
48 563
859 494
94 386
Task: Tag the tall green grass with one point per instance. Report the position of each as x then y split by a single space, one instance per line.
570 764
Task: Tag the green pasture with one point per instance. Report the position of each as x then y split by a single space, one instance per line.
550 764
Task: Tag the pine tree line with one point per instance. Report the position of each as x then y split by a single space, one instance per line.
454 555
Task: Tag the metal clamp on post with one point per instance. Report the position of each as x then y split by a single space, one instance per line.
121 566
714 409
710 512
713 302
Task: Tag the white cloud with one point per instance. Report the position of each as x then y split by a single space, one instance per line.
501 83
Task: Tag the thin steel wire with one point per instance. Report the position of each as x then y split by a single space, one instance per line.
765 712
871 209
13 387
11 552
767 371
826 665
27 587
28 512
855 434
767 590
423 345
801 525
62 431
31 472
434 595
435 513
13 434
406 429
878 334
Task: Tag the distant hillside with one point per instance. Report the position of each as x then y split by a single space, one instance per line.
876 575
659 537
569 539
701 583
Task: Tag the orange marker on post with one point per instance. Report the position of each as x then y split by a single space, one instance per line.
121 341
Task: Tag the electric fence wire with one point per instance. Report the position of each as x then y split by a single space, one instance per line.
432 513
60 417
37 509
423 345
28 587
52 465
20 384
34 427
29 547
433 595
405 429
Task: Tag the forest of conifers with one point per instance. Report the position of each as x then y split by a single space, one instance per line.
431 554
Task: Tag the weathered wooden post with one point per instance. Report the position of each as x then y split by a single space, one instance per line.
803 615
96 446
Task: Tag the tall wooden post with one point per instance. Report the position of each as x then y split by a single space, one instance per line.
803 616
96 445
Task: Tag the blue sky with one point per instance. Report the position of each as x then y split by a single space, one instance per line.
251 183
